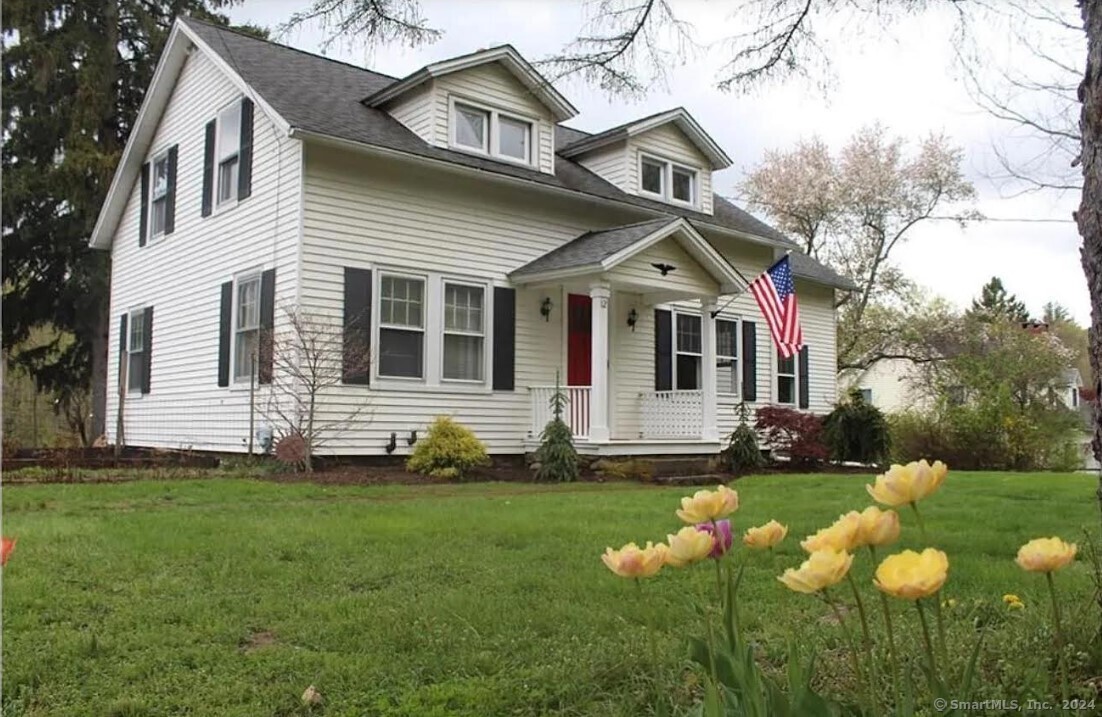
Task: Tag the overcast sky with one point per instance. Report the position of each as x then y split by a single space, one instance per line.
905 79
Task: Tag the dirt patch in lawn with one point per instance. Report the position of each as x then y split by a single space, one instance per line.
257 640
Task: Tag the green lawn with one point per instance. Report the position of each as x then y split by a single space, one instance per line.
229 597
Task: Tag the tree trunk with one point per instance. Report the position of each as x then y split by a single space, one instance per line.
1089 215
99 375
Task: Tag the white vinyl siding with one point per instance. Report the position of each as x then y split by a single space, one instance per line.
610 163
492 86
415 110
670 144
182 278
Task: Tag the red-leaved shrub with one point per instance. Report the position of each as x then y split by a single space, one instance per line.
791 433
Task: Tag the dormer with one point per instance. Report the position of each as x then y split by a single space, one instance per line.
667 157
491 103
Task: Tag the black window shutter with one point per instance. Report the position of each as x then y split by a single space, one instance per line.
357 326
267 325
805 392
224 327
147 348
505 338
208 169
749 361
245 156
123 346
170 195
663 350
143 221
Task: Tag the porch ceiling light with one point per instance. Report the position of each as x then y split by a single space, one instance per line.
545 308
633 316
664 268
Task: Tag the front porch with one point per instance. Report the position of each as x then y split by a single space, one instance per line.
639 379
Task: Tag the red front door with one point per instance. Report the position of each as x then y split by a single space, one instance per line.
579 341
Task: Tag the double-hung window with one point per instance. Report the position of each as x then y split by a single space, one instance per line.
158 196
727 376
464 332
246 343
228 152
135 346
491 132
786 379
689 352
667 181
402 326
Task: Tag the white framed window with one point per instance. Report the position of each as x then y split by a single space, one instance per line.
683 185
135 349
246 328
514 138
401 326
491 132
227 152
786 379
688 350
727 366
652 176
472 127
668 181
866 395
158 195
464 332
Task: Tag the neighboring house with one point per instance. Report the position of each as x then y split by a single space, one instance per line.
452 223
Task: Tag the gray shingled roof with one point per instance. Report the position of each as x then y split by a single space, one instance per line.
322 96
591 248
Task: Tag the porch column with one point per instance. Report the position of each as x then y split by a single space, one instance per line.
710 431
598 392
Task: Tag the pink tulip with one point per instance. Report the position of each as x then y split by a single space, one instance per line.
724 534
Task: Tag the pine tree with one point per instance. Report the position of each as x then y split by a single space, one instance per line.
558 461
995 304
75 73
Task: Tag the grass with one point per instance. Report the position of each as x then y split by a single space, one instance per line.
229 597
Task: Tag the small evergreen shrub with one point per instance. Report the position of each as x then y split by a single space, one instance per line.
448 450
743 454
857 431
630 469
557 459
792 433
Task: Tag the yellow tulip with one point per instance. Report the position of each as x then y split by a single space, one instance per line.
688 546
765 536
841 535
821 570
908 484
1016 605
631 561
1044 555
708 505
910 575
878 527
1010 597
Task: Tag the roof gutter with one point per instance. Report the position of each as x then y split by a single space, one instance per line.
386 152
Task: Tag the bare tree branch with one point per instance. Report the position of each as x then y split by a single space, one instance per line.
371 22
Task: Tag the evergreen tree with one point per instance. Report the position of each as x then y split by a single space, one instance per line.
558 461
995 303
75 73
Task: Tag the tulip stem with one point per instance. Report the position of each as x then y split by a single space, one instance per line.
1059 635
921 525
857 671
864 626
891 634
926 638
940 627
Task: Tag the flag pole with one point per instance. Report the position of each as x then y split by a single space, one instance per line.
735 296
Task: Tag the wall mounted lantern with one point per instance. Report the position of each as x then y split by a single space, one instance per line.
545 308
633 317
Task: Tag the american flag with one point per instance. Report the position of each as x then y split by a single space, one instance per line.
776 295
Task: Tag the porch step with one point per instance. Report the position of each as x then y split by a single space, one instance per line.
711 479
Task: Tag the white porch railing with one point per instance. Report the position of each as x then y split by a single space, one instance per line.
575 413
672 414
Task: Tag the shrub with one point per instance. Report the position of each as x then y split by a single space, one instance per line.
743 454
558 461
448 450
792 433
857 431
635 469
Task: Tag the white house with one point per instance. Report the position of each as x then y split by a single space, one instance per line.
449 220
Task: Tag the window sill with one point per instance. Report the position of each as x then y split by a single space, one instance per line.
390 384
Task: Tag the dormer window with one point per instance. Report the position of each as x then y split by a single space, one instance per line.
488 131
667 181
